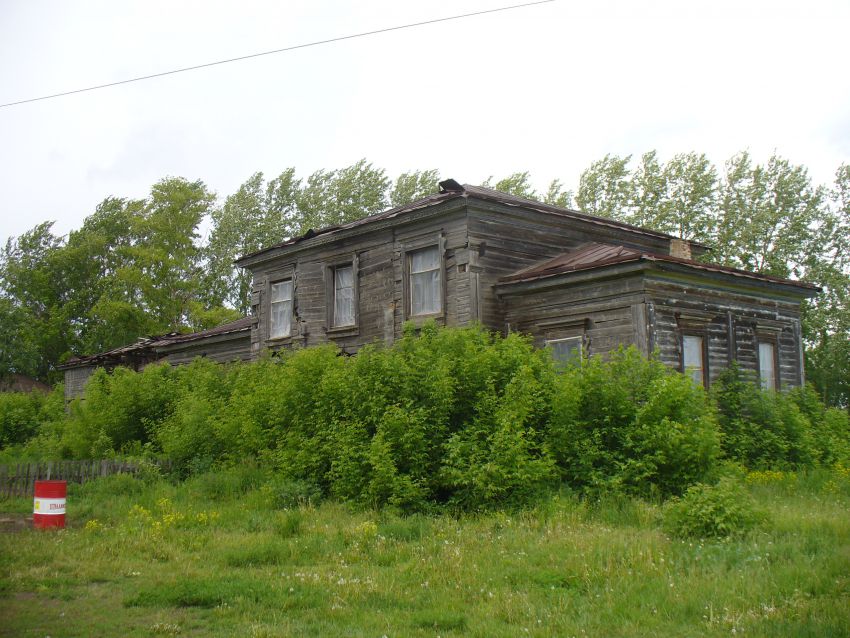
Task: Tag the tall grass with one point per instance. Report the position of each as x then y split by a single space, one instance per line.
196 559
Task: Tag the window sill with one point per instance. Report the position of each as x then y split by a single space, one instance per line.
343 331
418 320
279 341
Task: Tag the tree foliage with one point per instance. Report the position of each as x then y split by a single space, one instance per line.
132 269
413 185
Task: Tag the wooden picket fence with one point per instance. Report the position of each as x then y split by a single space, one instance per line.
19 479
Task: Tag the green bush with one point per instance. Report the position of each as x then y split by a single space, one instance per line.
390 426
226 482
501 458
286 493
632 424
455 417
761 429
23 414
120 408
830 427
712 511
109 486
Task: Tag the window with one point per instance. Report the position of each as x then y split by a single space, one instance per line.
767 365
693 358
343 299
566 351
425 291
281 309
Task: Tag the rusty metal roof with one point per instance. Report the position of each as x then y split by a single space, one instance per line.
588 256
597 255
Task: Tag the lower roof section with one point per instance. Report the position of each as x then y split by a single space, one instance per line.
153 347
598 258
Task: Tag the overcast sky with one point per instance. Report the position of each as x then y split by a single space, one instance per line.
547 89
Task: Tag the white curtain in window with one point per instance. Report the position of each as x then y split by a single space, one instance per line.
281 310
343 296
692 358
767 366
425 297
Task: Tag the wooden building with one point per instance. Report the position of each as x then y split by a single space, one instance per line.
578 283
225 343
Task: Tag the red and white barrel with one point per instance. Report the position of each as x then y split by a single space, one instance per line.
48 509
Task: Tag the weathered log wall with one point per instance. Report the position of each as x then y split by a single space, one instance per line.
382 295
506 239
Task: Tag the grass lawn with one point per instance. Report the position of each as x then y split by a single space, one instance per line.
215 557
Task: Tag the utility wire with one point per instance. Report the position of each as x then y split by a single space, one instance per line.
284 49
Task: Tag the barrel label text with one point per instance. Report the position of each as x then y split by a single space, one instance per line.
49 506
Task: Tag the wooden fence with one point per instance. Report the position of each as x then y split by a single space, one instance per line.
19 479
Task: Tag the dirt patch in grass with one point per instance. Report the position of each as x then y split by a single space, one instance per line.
12 523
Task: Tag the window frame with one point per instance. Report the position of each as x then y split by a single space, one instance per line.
695 323
410 247
272 302
349 261
774 344
702 335
572 361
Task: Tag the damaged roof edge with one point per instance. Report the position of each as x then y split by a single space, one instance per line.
149 345
432 201
449 190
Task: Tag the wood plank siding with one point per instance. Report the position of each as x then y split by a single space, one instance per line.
653 311
506 239
380 277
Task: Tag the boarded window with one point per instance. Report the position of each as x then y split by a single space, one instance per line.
566 351
425 296
343 296
767 365
281 309
693 360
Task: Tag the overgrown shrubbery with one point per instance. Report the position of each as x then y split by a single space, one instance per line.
24 414
776 430
712 511
457 417
453 416
631 423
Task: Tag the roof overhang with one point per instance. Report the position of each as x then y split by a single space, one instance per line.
687 274
452 202
179 346
452 196
151 348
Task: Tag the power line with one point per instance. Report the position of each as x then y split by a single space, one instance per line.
284 49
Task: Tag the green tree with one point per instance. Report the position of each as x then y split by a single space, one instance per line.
256 216
649 191
517 184
413 185
19 351
688 208
557 196
606 188
332 198
101 304
826 319
165 258
768 216
33 290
